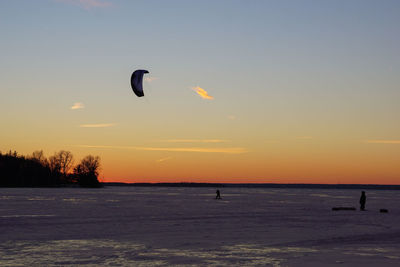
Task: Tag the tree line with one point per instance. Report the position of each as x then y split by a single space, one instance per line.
36 170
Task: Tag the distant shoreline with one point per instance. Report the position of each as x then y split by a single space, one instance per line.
261 185
230 185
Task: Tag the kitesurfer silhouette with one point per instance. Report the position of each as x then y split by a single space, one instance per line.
218 196
363 199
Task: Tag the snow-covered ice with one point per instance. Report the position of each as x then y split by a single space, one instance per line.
150 226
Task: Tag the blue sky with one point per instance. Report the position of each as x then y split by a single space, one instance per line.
324 71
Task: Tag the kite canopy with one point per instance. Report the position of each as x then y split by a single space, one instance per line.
137 82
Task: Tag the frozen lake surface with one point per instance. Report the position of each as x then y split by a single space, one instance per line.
150 226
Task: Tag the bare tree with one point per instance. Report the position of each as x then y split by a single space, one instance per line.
87 171
66 160
38 155
54 164
61 162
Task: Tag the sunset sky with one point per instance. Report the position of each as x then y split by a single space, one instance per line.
238 91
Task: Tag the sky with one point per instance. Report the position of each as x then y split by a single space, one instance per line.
237 91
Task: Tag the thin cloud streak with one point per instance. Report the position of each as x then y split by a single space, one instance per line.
78 105
202 93
304 137
228 150
164 159
99 125
196 141
87 4
397 142
150 79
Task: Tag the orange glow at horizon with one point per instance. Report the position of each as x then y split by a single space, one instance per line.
254 167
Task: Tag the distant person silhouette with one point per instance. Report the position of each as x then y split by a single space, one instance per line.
363 199
218 196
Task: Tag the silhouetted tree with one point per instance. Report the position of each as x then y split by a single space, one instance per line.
35 170
62 163
18 171
87 171
38 155
55 167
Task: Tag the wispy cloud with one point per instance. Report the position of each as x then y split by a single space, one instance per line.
203 93
164 159
225 150
304 137
150 79
397 142
87 4
272 142
78 105
98 125
196 141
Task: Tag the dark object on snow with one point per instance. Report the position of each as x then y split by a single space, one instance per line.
383 211
343 208
363 199
137 82
218 195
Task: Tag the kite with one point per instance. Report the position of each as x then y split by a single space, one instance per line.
137 82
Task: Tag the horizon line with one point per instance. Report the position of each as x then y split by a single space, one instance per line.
250 183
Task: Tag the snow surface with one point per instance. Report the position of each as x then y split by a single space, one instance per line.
150 226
